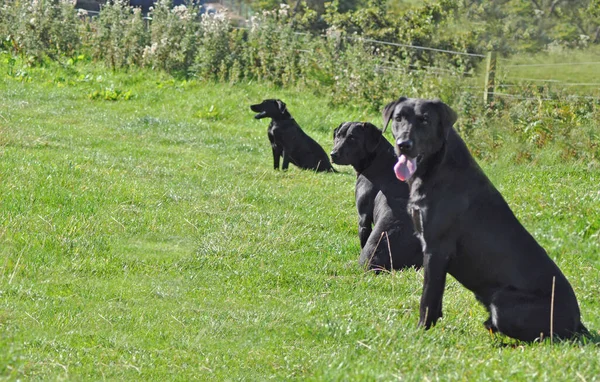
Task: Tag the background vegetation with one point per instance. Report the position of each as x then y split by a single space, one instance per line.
336 55
143 234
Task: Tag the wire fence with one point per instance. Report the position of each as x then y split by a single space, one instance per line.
417 47
555 64
521 81
506 83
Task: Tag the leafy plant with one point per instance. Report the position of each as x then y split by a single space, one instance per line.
39 29
175 35
111 94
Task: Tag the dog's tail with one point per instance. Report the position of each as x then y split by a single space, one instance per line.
582 330
324 166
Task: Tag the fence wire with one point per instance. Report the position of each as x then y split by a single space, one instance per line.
390 67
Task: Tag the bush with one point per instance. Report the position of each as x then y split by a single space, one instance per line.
214 54
39 29
120 35
175 36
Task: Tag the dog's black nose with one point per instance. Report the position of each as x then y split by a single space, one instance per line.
404 145
333 155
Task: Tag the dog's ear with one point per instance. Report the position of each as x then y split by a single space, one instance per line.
447 116
337 129
388 112
372 136
282 106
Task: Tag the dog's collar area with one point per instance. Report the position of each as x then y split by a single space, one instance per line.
284 118
285 114
366 162
428 164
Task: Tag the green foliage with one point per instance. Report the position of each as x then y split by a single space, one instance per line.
531 25
273 48
216 48
336 55
425 26
120 37
174 34
39 29
210 113
111 94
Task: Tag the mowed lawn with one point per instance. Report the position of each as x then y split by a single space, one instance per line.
150 239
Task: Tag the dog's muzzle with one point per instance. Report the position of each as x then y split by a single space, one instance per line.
404 145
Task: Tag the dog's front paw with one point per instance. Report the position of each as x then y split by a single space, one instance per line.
422 324
427 319
490 326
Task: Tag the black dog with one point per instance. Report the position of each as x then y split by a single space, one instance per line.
467 230
288 140
380 198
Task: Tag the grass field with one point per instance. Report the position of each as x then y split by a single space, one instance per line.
576 70
149 239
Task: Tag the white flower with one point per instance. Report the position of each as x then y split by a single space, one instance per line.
181 11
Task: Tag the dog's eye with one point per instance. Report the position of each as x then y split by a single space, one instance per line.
423 119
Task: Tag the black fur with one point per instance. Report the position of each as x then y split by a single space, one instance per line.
380 198
289 141
468 230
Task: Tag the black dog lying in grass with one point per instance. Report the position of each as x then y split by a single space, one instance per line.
380 198
288 140
467 230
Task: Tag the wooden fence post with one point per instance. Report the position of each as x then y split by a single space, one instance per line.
490 74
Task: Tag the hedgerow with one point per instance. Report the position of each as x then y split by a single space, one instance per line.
338 55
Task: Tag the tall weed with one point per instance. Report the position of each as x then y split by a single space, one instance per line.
120 35
39 29
214 54
175 36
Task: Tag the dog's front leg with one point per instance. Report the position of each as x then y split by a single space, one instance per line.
277 152
276 156
286 160
364 229
365 204
435 266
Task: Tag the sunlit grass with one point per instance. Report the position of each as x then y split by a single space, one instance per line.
150 239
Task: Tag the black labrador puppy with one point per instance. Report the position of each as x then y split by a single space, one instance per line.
383 224
289 141
468 230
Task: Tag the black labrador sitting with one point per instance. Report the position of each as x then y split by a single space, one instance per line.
288 140
468 230
380 198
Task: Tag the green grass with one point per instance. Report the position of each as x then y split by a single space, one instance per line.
150 239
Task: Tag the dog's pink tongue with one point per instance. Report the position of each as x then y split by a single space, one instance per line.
405 168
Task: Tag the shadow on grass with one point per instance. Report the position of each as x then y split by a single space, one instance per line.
589 339
592 338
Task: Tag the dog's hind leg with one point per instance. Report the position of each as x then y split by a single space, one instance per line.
526 316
